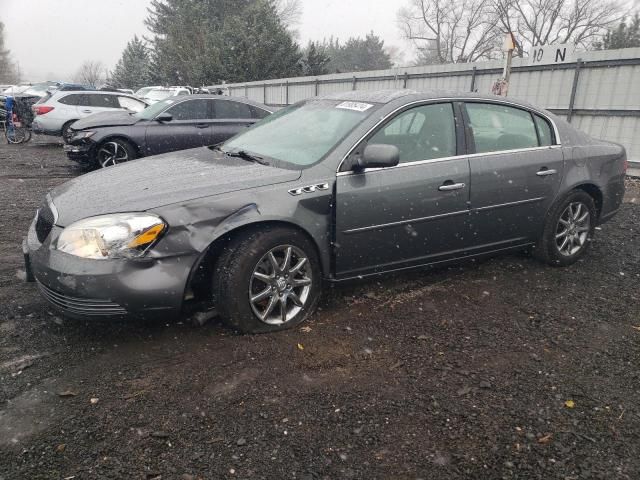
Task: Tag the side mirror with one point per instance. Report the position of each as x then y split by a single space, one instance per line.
378 155
164 117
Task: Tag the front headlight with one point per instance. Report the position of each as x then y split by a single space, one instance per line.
122 235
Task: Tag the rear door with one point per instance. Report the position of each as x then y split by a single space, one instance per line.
231 118
189 128
515 174
411 214
100 102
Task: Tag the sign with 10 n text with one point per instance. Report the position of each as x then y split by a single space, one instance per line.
548 54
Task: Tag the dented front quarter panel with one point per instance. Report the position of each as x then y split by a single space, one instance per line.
195 225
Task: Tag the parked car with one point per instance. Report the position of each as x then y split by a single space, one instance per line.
140 93
57 112
177 123
156 94
334 188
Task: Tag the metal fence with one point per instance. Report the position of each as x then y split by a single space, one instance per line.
598 93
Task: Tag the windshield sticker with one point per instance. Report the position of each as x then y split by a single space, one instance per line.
357 106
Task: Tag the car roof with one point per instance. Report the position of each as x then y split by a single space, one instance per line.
387 96
213 96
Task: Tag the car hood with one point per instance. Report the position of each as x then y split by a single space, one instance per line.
106 119
161 180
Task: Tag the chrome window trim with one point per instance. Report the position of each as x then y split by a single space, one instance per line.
458 99
444 159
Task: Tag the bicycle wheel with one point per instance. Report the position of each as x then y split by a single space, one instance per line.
17 135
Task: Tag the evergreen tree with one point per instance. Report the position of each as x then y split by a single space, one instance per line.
205 41
624 36
315 60
133 70
8 70
357 54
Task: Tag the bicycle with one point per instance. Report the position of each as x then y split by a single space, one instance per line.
15 130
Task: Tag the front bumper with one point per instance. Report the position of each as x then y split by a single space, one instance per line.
151 288
83 152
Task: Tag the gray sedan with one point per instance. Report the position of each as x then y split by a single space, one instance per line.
332 188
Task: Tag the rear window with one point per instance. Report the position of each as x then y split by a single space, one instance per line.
75 100
104 101
228 109
544 131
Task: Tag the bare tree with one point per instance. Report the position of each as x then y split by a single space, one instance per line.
543 22
446 31
91 73
289 11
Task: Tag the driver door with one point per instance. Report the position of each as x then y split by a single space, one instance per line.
190 127
414 213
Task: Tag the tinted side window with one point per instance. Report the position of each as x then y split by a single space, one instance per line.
230 109
72 100
422 133
257 112
544 131
104 101
498 127
189 110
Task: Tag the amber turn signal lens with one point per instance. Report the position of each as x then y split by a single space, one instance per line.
147 237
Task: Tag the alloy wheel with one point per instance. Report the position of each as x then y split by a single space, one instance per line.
573 228
112 153
280 285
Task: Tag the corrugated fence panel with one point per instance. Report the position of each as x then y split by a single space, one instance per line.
607 97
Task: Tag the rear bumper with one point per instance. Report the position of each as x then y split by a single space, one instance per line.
46 128
151 288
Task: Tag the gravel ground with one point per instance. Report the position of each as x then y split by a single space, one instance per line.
500 369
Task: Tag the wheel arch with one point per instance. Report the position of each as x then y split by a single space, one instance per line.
200 281
594 192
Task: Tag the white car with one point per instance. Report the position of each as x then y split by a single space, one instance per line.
162 93
57 112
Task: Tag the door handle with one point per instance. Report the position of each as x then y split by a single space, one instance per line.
202 125
447 187
87 111
545 171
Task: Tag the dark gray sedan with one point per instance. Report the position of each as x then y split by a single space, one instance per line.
178 123
333 188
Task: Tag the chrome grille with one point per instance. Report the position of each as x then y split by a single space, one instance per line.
81 306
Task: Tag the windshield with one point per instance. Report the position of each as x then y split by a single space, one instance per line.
302 134
39 90
152 111
158 94
142 92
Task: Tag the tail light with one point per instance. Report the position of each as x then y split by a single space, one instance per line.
41 109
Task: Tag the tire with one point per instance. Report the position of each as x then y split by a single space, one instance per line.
568 230
113 152
66 130
246 269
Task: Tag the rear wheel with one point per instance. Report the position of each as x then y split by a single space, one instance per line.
568 229
267 280
66 130
113 152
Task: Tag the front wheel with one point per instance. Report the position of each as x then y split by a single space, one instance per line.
568 229
267 280
113 152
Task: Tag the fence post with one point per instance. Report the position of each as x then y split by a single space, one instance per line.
406 79
574 88
353 85
317 87
264 93
246 91
473 80
286 96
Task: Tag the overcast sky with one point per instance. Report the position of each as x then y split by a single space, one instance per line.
51 38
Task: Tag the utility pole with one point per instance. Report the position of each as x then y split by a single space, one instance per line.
501 86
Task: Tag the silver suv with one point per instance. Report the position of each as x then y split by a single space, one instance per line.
56 113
